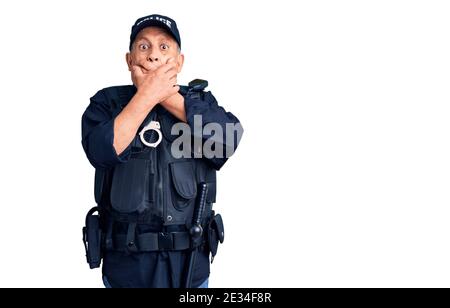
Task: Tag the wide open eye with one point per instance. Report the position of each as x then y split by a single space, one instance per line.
143 47
164 46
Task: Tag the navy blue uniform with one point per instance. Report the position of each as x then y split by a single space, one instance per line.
149 269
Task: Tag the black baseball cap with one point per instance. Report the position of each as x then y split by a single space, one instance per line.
155 20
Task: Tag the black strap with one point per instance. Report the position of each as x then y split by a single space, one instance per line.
148 242
91 212
131 238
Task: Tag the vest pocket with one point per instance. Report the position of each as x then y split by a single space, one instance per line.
184 184
131 185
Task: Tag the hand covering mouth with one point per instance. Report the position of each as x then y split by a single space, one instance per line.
146 67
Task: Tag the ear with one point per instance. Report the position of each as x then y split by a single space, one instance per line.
129 61
180 61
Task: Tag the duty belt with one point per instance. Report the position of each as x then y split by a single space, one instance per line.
152 241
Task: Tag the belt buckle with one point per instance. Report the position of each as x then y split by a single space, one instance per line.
165 241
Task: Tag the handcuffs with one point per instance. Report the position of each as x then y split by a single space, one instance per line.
197 85
153 125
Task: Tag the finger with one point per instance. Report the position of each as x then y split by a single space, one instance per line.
166 67
170 66
142 68
173 76
137 70
170 60
150 67
172 72
176 88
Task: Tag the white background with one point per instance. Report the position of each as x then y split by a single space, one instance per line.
342 177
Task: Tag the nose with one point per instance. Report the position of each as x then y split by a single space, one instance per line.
153 57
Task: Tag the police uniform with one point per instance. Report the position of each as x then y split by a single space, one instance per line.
146 197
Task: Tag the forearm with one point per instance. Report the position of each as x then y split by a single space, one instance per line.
175 105
128 121
226 142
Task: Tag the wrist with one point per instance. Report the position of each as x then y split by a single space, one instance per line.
148 99
173 100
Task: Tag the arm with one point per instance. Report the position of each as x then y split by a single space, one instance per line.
128 121
185 108
175 105
211 112
97 127
105 140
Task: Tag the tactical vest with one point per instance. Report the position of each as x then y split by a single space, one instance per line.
152 188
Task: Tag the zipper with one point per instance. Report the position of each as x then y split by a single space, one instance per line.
160 177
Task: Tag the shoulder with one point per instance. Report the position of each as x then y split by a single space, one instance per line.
113 93
196 90
109 100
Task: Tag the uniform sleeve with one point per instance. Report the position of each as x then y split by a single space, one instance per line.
97 131
211 112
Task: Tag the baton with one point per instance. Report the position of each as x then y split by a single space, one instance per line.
196 232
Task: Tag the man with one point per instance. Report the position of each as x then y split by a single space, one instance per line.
148 194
